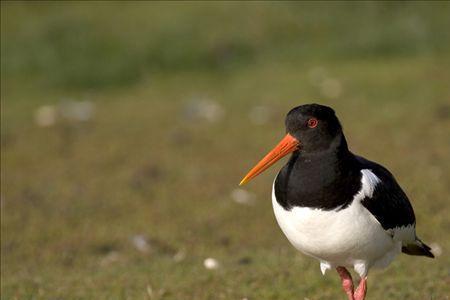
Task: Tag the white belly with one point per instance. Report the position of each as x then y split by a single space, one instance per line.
349 237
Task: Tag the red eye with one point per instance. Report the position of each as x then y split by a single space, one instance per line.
312 123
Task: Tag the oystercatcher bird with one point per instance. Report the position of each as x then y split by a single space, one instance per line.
338 207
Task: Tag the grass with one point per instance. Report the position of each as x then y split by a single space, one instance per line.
74 195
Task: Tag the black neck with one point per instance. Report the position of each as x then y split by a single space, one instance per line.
327 179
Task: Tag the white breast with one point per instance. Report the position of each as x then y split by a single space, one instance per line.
350 237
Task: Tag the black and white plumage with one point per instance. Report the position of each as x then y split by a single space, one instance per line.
338 207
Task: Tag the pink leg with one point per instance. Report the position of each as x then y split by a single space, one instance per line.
360 293
347 282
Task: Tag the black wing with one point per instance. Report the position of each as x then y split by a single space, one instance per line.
391 207
389 204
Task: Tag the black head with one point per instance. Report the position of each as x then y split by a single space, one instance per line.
315 126
311 129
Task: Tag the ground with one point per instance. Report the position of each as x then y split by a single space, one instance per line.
128 202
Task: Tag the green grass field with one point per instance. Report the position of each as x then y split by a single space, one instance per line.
187 97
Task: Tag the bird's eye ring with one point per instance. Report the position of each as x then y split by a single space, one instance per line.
312 123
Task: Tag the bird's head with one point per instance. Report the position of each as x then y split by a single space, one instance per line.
314 126
310 128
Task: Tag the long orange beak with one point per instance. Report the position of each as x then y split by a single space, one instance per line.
287 145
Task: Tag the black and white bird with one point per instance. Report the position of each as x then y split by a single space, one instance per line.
335 206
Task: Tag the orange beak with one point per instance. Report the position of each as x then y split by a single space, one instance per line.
287 145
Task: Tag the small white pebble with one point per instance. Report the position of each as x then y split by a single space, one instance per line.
242 196
140 243
211 263
77 111
45 116
204 109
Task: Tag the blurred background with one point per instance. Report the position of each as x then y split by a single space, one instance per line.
126 127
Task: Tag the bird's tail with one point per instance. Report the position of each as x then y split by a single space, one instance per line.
417 248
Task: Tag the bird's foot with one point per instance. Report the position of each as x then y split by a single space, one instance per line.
347 282
361 290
